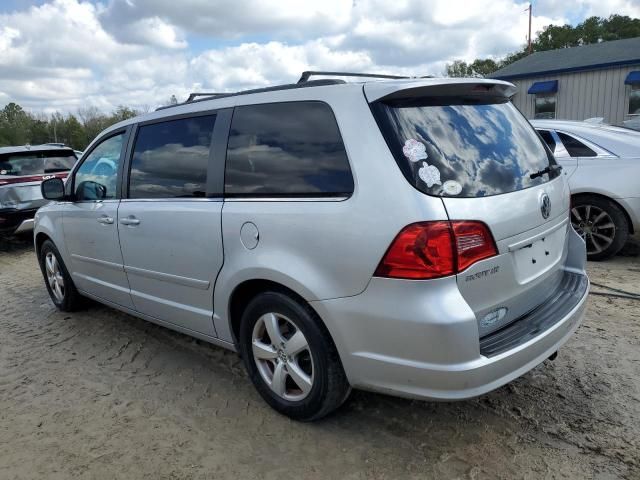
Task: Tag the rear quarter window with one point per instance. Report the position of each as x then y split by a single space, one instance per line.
575 147
286 149
463 147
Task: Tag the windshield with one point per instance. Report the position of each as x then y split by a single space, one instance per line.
464 147
36 163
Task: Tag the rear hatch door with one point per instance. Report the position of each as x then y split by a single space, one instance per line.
465 142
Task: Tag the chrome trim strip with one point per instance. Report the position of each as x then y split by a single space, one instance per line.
25 226
108 200
95 261
523 243
97 281
286 199
208 314
212 199
167 277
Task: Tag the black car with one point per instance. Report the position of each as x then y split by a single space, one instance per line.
22 169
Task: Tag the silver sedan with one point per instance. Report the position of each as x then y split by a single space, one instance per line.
602 163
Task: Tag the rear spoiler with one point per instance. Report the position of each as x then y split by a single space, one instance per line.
380 91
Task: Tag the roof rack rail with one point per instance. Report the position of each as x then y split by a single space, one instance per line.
193 96
309 73
210 96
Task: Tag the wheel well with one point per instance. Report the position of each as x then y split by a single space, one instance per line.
40 239
604 197
246 291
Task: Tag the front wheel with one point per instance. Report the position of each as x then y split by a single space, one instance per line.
290 357
61 289
601 223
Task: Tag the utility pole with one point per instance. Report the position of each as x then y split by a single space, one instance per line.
530 12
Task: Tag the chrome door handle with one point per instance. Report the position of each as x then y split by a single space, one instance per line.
130 221
105 220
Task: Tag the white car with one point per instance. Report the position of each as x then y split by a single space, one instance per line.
602 163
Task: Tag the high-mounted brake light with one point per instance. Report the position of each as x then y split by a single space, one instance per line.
436 249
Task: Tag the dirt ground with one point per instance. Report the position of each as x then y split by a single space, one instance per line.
100 394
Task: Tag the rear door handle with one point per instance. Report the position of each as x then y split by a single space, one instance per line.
105 220
130 221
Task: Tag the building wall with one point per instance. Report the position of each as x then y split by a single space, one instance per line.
582 95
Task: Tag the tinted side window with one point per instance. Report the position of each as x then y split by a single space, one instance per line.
96 178
575 147
548 139
286 149
170 159
37 163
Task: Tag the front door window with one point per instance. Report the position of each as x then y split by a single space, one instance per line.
96 179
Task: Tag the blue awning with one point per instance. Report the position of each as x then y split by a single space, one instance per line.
550 86
633 78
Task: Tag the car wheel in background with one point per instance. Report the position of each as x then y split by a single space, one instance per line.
601 223
291 358
61 289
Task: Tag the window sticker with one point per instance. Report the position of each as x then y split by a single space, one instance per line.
451 187
429 174
414 150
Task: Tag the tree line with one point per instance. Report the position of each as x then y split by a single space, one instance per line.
19 127
552 37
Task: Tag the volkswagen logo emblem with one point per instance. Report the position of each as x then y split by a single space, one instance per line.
545 206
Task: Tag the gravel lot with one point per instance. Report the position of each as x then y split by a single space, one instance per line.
100 394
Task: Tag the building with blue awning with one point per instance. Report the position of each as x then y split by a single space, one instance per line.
596 80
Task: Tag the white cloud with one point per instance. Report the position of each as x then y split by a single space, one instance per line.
63 54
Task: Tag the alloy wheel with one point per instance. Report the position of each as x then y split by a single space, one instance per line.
54 276
283 356
595 225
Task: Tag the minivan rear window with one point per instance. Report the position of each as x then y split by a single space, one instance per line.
36 163
463 147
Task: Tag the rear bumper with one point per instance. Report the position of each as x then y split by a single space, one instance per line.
414 340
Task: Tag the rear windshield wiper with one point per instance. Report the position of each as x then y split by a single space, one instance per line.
549 169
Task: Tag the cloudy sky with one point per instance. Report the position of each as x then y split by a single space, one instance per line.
65 54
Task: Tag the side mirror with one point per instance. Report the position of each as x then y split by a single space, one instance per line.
52 189
89 190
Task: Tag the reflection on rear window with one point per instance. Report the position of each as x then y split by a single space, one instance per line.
36 163
463 147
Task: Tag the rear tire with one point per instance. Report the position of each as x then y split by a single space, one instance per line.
61 288
601 223
298 372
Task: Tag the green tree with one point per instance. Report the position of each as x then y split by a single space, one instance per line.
18 127
123 113
15 125
551 37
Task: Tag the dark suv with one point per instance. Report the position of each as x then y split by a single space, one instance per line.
22 169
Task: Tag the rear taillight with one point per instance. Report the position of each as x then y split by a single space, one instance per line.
474 243
436 249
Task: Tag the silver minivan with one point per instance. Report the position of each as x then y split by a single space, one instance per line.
406 236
